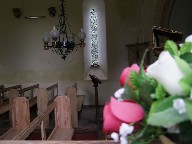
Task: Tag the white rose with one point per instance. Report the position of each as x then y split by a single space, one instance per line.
166 72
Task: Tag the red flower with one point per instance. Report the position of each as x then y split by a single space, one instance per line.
126 73
118 112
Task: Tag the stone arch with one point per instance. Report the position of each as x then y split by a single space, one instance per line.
163 12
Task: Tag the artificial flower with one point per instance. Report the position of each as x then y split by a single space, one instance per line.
115 136
125 129
118 112
179 105
123 140
188 39
118 94
124 77
166 71
157 90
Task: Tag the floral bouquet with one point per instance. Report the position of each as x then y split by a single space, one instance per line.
154 103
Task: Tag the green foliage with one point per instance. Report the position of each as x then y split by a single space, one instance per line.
171 47
189 108
147 135
159 92
183 65
186 48
130 94
187 57
134 80
185 86
162 113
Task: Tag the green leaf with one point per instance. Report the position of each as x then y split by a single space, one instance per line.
162 113
186 48
166 118
145 91
183 65
147 134
171 47
160 93
187 57
162 105
143 59
188 104
133 79
185 87
129 93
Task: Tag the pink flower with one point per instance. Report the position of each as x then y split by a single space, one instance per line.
118 112
124 77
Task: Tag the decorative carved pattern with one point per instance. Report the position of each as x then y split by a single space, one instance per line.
94 38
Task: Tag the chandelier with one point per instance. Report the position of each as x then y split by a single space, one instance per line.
63 40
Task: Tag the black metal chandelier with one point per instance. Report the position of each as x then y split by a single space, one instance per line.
63 40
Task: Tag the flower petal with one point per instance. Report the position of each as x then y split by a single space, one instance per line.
126 72
110 123
127 111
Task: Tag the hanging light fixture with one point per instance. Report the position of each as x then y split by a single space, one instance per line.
63 40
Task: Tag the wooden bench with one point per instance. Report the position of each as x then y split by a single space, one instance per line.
21 120
63 127
76 103
21 116
4 90
58 142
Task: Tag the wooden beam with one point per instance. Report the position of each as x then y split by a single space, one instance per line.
55 86
10 88
58 142
5 108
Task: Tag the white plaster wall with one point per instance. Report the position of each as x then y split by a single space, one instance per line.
23 60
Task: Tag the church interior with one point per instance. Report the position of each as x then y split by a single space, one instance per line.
31 68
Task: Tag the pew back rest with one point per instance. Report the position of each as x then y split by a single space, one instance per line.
30 89
52 91
4 91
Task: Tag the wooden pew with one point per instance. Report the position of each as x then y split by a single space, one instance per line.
42 103
76 103
20 117
21 120
63 127
13 92
20 114
59 142
53 88
43 100
3 90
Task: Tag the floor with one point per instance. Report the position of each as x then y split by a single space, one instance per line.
88 128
